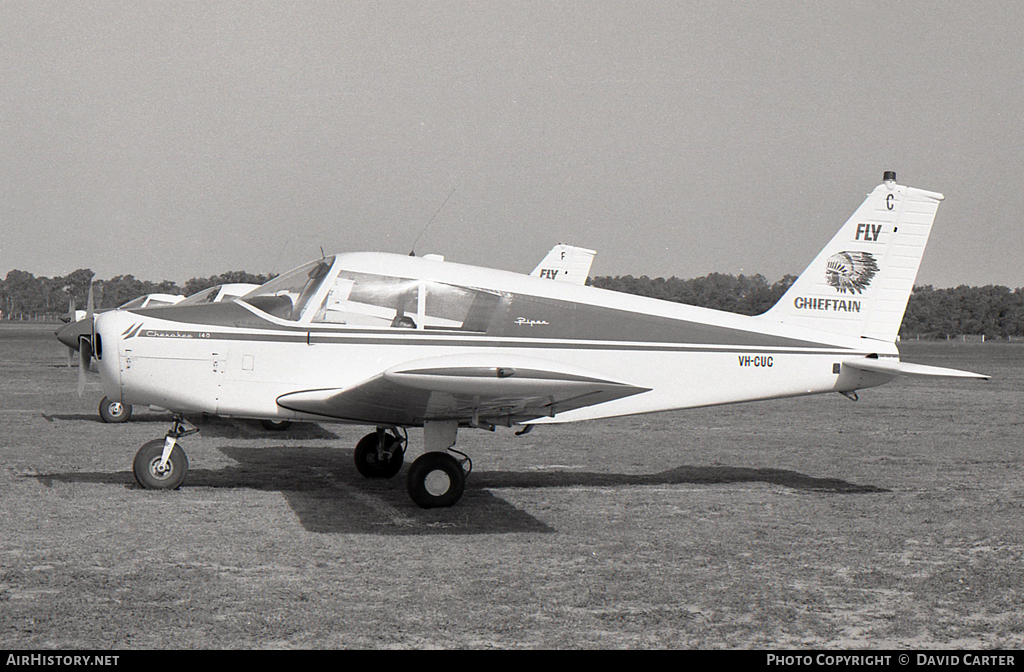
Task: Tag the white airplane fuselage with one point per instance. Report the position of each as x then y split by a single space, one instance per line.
682 355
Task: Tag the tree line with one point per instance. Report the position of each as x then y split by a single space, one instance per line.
744 294
993 310
24 296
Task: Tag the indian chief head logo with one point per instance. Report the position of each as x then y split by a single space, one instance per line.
850 271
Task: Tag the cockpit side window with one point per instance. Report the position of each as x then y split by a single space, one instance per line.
363 299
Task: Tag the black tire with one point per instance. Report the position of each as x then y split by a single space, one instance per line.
275 425
146 469
114 411
369 464
436 480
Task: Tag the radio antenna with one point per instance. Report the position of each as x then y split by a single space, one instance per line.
412 252
279 253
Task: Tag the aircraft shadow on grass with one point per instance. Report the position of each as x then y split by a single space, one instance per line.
95 417
329 496
222 428
700 475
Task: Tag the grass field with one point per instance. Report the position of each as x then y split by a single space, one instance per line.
896 521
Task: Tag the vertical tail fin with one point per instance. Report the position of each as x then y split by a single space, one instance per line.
860 283
566 263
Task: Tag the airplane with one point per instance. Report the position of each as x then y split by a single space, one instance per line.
397 342
144 301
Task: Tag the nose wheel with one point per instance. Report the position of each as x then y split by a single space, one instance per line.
153 472
161 464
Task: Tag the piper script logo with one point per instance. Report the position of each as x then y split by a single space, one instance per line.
522 321
850 272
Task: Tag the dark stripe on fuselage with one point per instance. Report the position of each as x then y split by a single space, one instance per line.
412 338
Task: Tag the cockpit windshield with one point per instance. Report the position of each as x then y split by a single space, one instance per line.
286 296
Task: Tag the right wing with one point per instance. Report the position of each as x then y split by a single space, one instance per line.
474 389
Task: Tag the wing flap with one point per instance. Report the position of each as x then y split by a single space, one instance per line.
492 389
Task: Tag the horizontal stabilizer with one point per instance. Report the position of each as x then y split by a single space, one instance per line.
896 367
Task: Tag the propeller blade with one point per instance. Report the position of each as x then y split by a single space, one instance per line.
81 373
88 305
84 360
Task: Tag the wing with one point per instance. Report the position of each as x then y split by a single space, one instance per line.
473 389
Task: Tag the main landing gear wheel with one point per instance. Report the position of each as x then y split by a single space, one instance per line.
435 480
275 425
151 475
374 461
114 411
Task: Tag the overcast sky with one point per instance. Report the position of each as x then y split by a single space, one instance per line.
173 140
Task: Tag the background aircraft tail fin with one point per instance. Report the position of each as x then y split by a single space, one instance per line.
860 283
566 263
